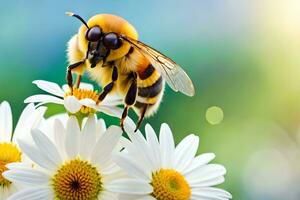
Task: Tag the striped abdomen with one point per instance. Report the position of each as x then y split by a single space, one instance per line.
150 90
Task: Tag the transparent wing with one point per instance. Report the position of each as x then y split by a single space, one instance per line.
174 75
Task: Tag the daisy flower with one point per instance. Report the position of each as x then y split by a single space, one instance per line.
77 165
82 101
161 171
9 150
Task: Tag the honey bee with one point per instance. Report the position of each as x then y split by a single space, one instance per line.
107 47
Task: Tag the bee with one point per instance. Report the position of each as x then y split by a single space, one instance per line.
108 49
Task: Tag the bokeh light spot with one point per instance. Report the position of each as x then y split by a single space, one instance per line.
214 115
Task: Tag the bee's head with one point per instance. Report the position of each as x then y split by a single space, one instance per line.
93 34
110 40
100 36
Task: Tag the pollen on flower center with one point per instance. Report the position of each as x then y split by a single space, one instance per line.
169 184
77 180
9 153
83 94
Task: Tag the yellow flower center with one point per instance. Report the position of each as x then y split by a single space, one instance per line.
169 184
77 180
9 153
83 94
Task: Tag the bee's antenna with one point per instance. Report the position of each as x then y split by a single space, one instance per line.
78 17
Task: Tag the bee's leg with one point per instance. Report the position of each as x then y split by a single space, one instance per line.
78 80
124 115
108 88
69 73
141 118
129 101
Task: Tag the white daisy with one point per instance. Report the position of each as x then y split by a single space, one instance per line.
83 98
161 171
9 150
77 165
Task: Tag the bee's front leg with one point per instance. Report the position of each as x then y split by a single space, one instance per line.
108 88
78 81
69 74
129 101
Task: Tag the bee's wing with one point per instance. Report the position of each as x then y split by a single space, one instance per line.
175 76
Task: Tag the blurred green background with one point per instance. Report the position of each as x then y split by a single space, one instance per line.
242 55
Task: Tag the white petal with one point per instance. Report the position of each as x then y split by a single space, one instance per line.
205 173
210 182
34 154
127 144
50 87
111 110
36 193
59 135
46 147
136 155
185 152
47 126
200 160
5 192
37 117
30 118
149 197
211 193
130 186
100 128
111 171
18 165
72 104
167 145
86 86
43 99
112 100
28 110
26 176
105 145
106 195
154 144
145 150
88 137
136 197
5 122
66 88
88 102
128 164
107 109
72 137
83 85
129 126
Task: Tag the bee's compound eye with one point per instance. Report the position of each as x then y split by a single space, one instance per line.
93 34
112 41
